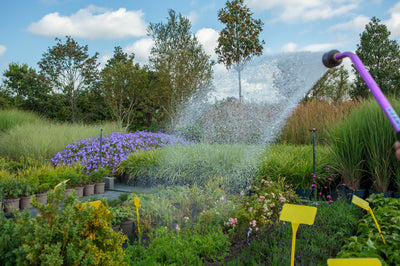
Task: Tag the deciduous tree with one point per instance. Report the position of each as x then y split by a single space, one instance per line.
179 60
239 41
70 70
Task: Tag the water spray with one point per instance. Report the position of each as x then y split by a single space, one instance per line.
334 58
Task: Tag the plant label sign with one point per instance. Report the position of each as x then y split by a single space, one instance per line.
297 214
365 205
355 262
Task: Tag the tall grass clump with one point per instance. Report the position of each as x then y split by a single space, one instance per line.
362 148
13 117
314 114
294 163
43 139
232 165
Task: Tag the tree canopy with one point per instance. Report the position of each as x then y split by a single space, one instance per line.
239 41
381 56
123 83
179 60
70 70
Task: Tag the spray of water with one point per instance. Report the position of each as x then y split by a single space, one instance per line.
272 87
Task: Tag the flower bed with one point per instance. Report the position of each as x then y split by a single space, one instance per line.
115 148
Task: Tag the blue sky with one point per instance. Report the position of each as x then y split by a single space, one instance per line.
29 27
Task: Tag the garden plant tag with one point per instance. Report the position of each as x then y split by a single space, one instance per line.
365 205
355 262
136 202
297 214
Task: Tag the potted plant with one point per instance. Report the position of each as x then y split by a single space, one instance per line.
123 216
97 177
11 189
28 190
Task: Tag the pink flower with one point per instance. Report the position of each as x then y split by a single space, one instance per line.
233 221
273 195
328 197
351 188
319 177
330 201
344 184
325 187
262 197
320 193
327 168
253 223
329 179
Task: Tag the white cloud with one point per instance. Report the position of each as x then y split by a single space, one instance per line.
393 23
141 49
357 24
291 11
92 23
2 50
289 47
319 47
209 39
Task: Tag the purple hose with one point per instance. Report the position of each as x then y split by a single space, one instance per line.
375 90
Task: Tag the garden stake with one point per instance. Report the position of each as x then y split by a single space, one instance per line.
297 214
365 205
334 58
101 140
313 130
136 201
355 262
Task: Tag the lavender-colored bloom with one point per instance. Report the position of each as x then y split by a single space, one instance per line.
116 147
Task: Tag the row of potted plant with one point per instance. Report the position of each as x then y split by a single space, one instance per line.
17 190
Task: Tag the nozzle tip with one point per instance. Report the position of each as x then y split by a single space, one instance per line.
329 60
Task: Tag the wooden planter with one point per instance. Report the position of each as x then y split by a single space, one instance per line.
127 227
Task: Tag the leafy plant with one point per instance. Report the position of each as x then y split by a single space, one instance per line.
368 242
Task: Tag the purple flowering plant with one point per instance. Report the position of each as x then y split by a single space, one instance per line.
115 148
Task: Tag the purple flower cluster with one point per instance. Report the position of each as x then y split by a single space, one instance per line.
116 147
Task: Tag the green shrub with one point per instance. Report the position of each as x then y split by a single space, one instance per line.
235 165
314 244
362 148
367 242
185 244
77 234
12 118
295 163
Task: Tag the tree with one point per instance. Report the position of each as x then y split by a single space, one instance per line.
123 83
381 57
239 41
182 66
29 89
70 70
333 86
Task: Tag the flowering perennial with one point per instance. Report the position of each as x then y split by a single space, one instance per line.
116 147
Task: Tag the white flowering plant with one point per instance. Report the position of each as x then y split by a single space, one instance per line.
262 203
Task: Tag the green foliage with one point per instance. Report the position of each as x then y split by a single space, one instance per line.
124 86
43 139
362 148
333 86
12 118
172 247
367 242
294 163
182 66
29 89
74 235
314 244
232 165
381 56
69 69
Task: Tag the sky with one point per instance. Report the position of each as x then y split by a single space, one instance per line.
29 27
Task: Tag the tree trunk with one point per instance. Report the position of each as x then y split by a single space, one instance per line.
240 87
